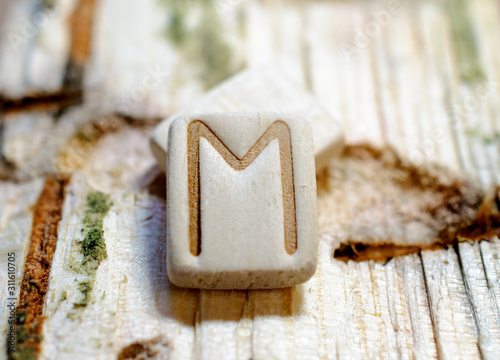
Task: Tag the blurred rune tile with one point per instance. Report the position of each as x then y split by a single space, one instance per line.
263 89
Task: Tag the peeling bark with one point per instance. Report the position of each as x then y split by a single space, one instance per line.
29 318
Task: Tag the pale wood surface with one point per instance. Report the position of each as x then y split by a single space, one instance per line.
35 48
421 85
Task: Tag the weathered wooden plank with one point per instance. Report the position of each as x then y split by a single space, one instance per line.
130 291
259 35
452 314
167 58
35 143
434 29
218 327
331 313
385 68
485 96
485 19
438 143
401 49
16 217
485 308
490 257
130 287
34 52
309 321
119 77
462 115
272 328
26 134
291 49
356 83
373 311
323 61
411 307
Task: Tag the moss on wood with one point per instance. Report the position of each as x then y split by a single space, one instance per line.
464 41
93 245
202 41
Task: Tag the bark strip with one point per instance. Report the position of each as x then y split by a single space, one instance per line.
81 21
34 285
486 225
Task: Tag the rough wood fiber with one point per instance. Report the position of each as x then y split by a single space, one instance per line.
132 85
29 317
451 312
481 299
16 204
43 142
403 87
349 309
173 72
34 47
490 255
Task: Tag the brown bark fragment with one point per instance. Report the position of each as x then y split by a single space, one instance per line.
392 207
35 281
81 31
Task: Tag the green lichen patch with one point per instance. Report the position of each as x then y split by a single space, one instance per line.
202 40
488 139
25 340
48 4
98 203
85 288
492 139
464 41
93 244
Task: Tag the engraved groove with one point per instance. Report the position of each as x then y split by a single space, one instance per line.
278 130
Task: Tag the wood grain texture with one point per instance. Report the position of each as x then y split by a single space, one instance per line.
34 49
403 86
17 204
451 312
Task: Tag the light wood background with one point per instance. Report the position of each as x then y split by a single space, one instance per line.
424 79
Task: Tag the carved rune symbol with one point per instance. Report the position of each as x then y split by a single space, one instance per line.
279 131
